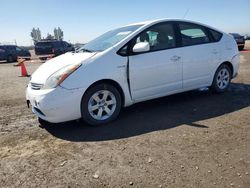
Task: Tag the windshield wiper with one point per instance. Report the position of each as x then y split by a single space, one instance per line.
85 50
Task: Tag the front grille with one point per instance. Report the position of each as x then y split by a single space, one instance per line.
36 86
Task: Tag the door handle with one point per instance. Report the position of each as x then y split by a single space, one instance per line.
175 58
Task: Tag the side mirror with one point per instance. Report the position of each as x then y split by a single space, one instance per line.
141 47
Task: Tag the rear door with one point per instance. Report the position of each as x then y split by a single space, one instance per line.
200 55
158 71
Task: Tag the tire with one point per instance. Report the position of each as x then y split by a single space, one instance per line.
241 48
101 104
222 79
43 123
10 59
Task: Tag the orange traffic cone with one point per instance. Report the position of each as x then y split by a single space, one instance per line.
20 63
50 57
24 72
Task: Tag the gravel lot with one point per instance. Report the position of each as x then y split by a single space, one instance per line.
194 139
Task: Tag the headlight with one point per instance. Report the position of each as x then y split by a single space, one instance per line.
58 77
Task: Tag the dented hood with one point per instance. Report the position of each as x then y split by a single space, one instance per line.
50 67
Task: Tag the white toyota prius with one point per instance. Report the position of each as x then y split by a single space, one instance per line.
134 63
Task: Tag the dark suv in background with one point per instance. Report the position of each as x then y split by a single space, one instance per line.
240 40
11 52
52 47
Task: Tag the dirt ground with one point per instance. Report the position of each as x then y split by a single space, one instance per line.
194 139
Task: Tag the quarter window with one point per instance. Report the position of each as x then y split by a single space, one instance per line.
192 34
216 35
18 49
159 37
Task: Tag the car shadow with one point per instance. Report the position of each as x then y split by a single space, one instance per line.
160 114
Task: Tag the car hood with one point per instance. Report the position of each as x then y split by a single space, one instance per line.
50 67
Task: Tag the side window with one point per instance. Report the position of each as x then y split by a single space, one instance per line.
56 44
159 37
9 48
193 34
18 49
216 35
2 50
67 44
123 51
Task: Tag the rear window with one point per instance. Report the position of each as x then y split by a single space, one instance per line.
216 35
58 44
10 48
53 44
44 44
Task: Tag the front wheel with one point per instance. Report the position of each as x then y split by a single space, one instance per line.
222 79
101 104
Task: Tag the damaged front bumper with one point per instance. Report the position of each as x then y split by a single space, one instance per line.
55 105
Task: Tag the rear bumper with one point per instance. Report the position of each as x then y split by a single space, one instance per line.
236 65
55 105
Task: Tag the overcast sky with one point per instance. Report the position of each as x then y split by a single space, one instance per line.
83 20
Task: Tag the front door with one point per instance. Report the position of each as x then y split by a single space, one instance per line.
159 71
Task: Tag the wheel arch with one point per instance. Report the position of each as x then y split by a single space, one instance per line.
111 82
229 65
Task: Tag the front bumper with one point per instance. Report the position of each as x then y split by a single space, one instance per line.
55 105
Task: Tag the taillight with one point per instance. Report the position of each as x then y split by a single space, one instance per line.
53 50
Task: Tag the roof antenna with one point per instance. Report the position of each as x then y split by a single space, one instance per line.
187 11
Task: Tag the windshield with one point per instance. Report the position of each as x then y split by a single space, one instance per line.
109 39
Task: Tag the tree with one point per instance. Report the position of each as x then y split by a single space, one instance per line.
58 33
36 35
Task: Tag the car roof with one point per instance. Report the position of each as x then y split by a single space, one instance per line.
151 22
7 45
47 41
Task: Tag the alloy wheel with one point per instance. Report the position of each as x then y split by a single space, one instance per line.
102 105
223 78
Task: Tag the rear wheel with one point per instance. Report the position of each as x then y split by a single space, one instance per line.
101 104
222 79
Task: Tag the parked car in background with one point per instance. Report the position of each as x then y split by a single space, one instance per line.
131 64
240 40
77 46
52 47
11 52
